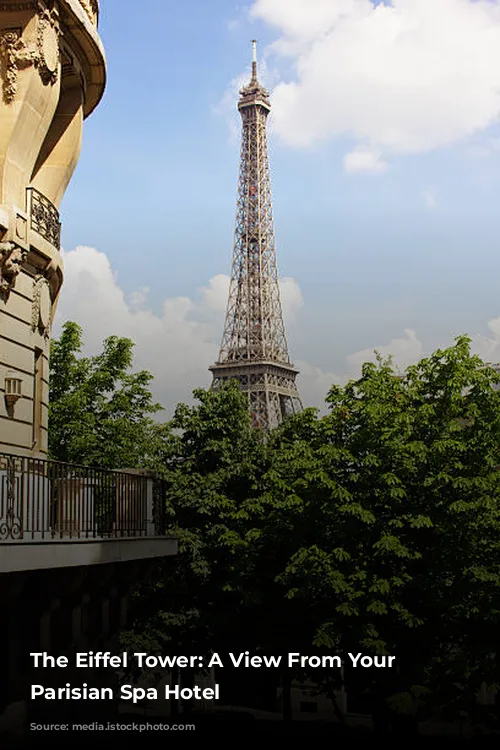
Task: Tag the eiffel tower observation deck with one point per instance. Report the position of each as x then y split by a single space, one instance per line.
254 348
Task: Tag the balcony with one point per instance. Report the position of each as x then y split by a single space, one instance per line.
44 217
54 514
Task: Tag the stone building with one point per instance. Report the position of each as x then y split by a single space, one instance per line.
73 541
53 77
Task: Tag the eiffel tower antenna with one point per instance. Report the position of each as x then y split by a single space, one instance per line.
254 348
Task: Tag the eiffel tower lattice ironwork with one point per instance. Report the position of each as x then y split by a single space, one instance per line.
254 348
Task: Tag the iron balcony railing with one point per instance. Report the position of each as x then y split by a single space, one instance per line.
44 217
47 500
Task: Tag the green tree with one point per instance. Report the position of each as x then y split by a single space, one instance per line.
398 489
374 529
100 413
222 592
213 464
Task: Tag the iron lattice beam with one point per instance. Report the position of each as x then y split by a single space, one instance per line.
254 348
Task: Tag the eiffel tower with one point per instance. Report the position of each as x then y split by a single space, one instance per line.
254 349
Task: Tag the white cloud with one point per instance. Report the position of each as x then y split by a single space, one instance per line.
227 106
215 294
173 344
177 345
406 77
404 352
139 297
364 160
314 383
430 199
291 299
488 347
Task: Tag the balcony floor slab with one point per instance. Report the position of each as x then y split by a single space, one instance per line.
62 553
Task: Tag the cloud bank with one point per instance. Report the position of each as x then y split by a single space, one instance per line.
177 343
180 341
400 77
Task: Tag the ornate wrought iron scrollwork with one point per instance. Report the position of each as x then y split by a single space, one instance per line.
11 526
45 218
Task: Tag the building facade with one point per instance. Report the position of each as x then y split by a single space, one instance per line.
52 77
73 540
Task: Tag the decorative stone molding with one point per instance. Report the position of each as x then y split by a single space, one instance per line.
47 41
42 306
18 6
91 8
12 258
16 54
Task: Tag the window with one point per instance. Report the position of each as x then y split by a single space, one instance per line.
308 707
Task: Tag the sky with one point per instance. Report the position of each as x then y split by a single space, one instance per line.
384 144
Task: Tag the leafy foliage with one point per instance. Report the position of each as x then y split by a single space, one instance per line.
100 413
212 469
373 529
401 550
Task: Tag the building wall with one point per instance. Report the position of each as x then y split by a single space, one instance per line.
19 346
60 611
52 77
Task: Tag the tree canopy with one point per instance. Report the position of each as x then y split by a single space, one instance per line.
100 413
373 529
399 495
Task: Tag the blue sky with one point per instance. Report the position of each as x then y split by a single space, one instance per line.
385 156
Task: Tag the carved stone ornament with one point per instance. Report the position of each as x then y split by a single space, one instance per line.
16 54
48 34
91 8
42 306
12 258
